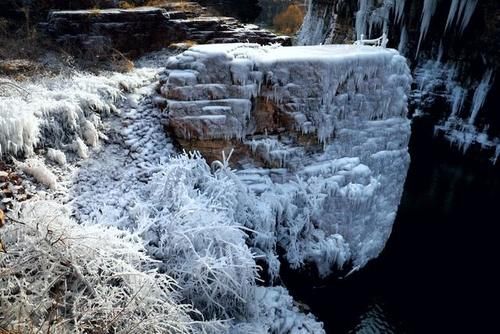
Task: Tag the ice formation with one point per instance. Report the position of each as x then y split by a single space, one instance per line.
438 80
37 169
460 14
480 95
373 18
276 312
435 79
428 11
327 135
311 30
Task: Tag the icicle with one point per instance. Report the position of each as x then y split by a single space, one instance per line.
361 18
427 13
399 8
441 51
458 98
460 14
403 40
470 7
452 14
481 94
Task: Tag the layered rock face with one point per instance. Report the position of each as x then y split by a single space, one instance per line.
321 133
136 30
244 10
126 30
453 47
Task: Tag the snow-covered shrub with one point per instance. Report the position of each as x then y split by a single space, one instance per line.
56 156
38 170
189 225
61 277
19 131
64 112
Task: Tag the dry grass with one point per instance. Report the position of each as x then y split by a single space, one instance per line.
157 2
290 20
4 331
125 5
120 62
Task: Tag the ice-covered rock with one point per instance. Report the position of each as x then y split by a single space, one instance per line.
454 60
320 135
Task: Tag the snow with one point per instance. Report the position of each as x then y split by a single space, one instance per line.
39 171
56 156
19 129
333 61
61 113
87 272
276 312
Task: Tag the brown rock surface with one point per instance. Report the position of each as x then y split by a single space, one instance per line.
137 30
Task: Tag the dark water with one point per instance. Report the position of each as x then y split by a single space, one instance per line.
437 272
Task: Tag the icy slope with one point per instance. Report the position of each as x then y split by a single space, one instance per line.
320 134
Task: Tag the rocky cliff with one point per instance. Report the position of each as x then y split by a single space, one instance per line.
140 29
320 135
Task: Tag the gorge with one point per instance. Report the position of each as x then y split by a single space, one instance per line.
227 182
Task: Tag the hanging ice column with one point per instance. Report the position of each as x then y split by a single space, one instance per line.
320 134
461 12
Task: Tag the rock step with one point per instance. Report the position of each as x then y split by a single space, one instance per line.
133 31
211 92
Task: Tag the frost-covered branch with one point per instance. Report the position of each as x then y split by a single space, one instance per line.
82 278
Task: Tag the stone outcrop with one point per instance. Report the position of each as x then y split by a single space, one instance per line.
127 30
217 100
134 31
324 121
11 187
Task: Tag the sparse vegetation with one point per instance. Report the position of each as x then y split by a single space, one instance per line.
289 21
